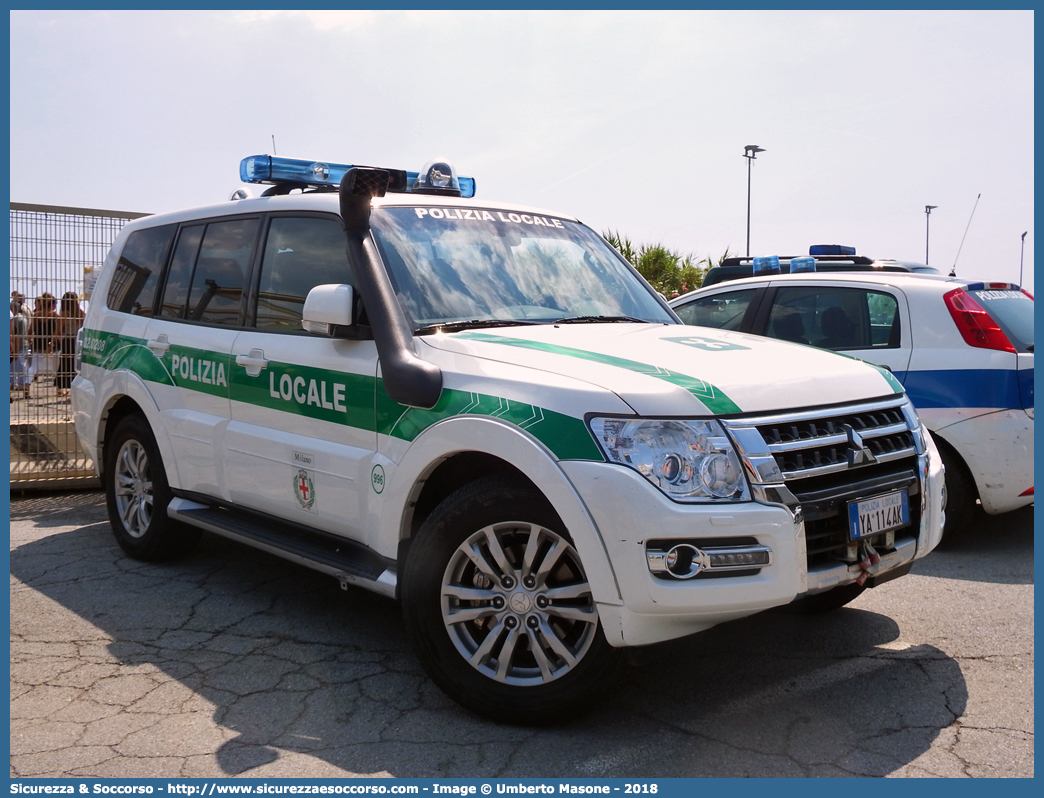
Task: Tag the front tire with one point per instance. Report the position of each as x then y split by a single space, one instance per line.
499 609
137 495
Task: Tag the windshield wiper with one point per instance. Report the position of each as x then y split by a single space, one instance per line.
473 324
597 319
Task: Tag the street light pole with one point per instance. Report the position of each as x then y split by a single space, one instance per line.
927 218
750 152
1021 255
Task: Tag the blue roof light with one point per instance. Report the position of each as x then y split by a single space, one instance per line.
768 264
831 249
802 265
276 169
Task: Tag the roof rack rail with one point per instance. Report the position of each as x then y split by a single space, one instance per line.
856 259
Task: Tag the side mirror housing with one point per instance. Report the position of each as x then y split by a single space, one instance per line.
328 311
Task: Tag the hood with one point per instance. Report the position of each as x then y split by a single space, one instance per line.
678 370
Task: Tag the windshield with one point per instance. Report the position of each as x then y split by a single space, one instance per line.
462 265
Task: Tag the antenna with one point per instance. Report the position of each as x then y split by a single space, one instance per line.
953 271
273 145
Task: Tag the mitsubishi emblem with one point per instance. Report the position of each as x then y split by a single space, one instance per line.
858 452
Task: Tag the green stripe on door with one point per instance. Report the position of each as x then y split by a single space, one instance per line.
334 396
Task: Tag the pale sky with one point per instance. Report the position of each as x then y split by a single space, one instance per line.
632 121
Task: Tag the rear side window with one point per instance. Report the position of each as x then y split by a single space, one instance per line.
175 293
300 253
835 318
1013 312
208 271
134 282
724 311
224 259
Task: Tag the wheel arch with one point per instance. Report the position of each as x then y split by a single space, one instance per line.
130 396
953 458
457 451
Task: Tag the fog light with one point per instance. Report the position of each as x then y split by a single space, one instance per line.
684 561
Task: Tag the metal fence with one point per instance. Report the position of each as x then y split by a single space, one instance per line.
54 250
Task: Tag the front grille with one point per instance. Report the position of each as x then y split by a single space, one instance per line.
831 457
825 443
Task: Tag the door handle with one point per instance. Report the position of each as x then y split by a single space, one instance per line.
253 362
160 346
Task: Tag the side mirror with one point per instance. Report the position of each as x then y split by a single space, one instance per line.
328 310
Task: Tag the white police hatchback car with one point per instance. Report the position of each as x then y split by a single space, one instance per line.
482 410
962 349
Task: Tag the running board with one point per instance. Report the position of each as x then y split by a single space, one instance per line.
350 562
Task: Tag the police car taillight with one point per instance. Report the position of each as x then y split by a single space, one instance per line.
292 171
977 327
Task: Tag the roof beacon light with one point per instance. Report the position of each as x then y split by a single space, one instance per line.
831 249
768 264
802 265
437 177
295 172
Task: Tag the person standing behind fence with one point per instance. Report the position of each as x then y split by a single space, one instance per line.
42 333
21 322
70 319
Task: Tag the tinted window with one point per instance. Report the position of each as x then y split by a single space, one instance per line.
133 286
175 292
835 318
724 311
300 253
224 259
1013 311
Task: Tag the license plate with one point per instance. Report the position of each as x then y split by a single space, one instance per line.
879 514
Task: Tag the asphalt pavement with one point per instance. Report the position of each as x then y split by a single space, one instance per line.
233 663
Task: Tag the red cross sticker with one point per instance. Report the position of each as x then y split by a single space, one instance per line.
304 488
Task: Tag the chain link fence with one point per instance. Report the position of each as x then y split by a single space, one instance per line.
55 252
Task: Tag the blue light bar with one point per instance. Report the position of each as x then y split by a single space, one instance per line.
802 265
831 249
768 264
275 169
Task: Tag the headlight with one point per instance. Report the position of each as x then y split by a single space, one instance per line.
690 461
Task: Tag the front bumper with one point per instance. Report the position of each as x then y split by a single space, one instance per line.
629 513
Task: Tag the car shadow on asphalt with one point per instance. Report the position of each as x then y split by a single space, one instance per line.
995 548
288 662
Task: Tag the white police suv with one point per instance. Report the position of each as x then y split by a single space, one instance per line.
963 350
483 411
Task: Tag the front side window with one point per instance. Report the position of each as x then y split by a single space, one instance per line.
723 311
456 264
300 253
134 281
835 318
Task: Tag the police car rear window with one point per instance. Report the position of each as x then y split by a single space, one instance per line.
1013 312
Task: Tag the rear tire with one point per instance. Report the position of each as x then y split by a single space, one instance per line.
137 494
498 607
963 511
